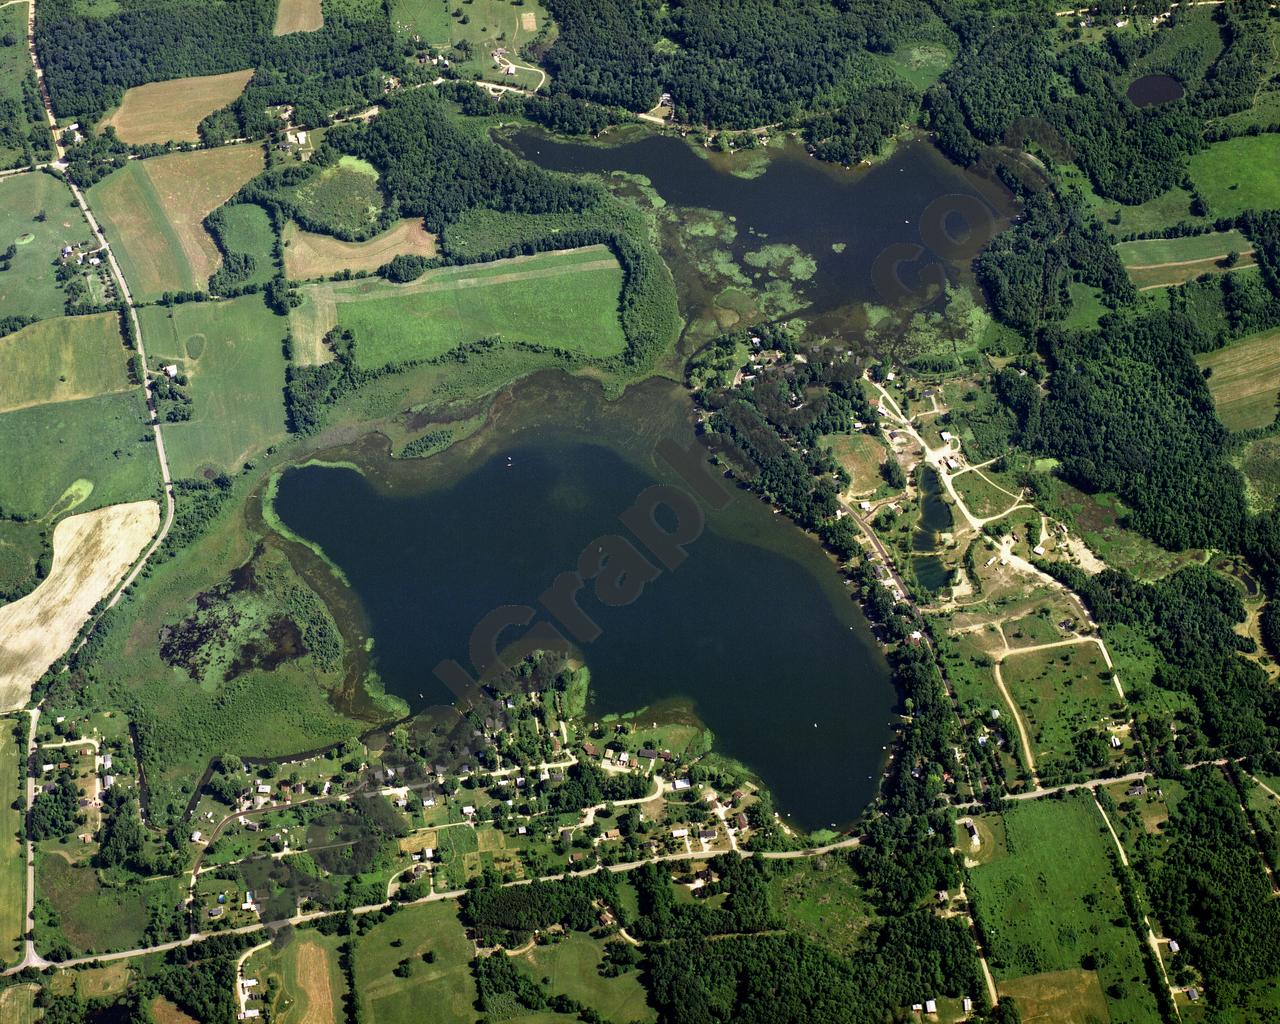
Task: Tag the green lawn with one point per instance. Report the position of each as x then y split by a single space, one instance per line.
63 359
563 300
13 859
1239 174
1062 692
573 967
232 352
28 287
1176 250
246 228
45 449
442 992
1054 901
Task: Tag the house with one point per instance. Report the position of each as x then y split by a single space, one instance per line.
590 749
740 820
566 836
967 1003
930 1006
522 831
252 826
647 754
468 810
1038 549
108 782
195 836
1173 946
679 833
946 436
707 835
624 758
263 788
1115 742
1138 790
249 982
1193 994
106 762
682 784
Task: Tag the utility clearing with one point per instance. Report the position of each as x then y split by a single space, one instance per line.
91 554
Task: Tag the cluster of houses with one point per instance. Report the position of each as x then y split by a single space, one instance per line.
247 992
82 252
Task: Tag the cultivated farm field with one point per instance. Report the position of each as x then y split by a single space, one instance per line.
153 211
309 255
565 299
1245 380
1162 262
61 360
171 111
28 287
298 16
91 553
232 353
1054 900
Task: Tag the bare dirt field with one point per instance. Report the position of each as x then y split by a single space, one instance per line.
91 554
164 111
298 16
308 255
153 212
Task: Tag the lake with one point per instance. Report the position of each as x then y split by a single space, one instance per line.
1152 90
756 630
886 234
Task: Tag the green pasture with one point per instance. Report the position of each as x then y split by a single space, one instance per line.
13 854
1054 900
63 359
246 228
1239 174
1062 692
572 965
38 217
442 992
233 354
1177 250
566 300
44 449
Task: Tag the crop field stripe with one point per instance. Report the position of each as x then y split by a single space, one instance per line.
132 186
1245 383
480 282
13 860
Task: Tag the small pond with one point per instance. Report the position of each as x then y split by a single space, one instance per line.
1152 90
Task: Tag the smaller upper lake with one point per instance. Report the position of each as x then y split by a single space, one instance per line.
1152 90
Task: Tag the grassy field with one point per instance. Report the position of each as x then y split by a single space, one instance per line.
1239 174
1245 381
1261 464
28 287
232 353
45 449
15 65
862 456
573 967
1165 210
981 496
18 1005
1062 692
1162 262
1064 997
62 360
449 307
490 24
153 211
93 916
308 255
344 196
171 111
822 898
298 16
91 554
246 228
442 992
309 985
13 855
166 1012
1053 901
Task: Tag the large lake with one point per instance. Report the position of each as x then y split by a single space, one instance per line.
756 629
886 234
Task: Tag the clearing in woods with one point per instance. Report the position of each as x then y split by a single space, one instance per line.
1065 997
153 211
91 554
13 855
172 111
308 255
166 1012
1162 262
1245 380
298 16
566 299
61 360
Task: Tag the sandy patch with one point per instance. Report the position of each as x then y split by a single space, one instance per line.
529 21
91 554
